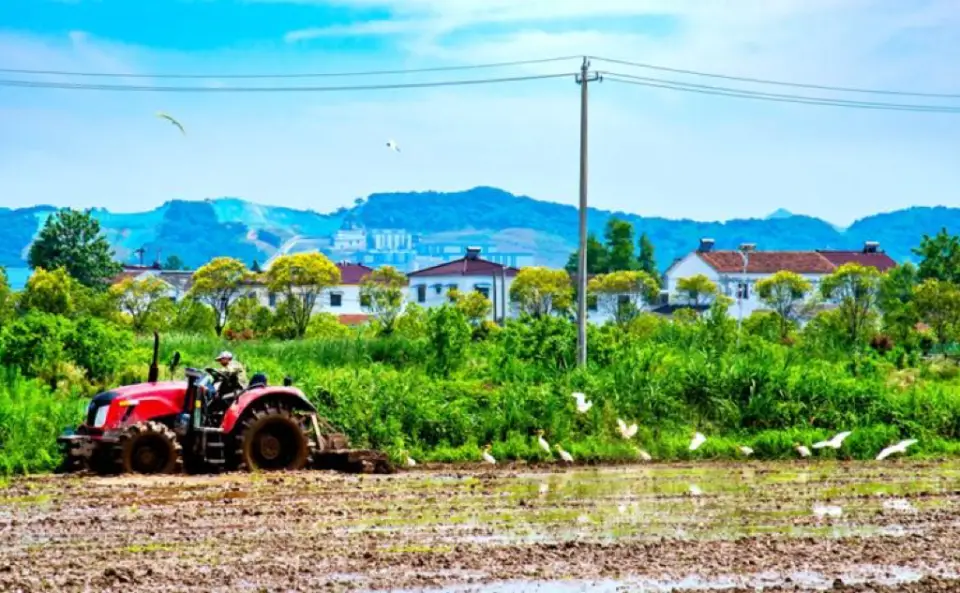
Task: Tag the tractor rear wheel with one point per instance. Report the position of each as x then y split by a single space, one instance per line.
273 438
149 448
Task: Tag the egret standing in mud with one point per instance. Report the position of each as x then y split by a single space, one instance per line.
487 457
698 439
801 450
643 455
900 447
583 405
564 455
833 443
746 450
627 432
543 442
407 460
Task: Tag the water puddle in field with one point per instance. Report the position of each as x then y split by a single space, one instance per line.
824 500
810 581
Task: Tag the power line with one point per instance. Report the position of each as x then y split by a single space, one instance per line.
271 89
778 82
775 97
302 75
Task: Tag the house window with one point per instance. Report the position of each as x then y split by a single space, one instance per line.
743 290
272 299
438 288
483 289
336 299
421 293
592 303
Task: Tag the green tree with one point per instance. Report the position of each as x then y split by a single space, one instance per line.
697 290
619 244
938 303
49 292
855 288
940 257
474 306
195 317
449 334
174 263
596 257
72 240
624 293
300 279
218 284
381 293
6 298
646 259
540 291
785 292
896 300
137 299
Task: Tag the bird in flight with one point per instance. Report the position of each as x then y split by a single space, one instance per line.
170 119
392 145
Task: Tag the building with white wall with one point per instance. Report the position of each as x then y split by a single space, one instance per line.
430 287
736 272
343 300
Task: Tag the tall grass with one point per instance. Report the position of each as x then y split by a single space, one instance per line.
670 378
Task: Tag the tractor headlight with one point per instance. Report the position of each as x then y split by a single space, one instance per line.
101 418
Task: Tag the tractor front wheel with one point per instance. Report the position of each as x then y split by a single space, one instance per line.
149 448
273 438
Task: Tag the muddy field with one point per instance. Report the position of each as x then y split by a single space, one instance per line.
782 527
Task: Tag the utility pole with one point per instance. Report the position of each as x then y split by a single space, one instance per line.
583 79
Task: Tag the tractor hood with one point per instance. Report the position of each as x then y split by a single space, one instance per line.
161 389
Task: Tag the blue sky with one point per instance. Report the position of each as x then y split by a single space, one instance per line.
653 152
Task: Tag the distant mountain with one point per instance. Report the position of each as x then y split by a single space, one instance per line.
779 213
198 231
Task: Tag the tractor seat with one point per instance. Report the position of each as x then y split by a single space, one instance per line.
257 381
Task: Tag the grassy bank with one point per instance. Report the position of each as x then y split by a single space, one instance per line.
392 394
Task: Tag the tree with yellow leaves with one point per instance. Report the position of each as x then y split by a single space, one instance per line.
541 291
137 299
299 279
381 293
219 284
624 294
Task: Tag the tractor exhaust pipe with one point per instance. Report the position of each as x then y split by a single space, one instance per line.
154 375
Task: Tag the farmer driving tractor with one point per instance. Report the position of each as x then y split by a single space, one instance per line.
234 375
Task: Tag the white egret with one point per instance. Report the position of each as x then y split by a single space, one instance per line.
564 455
643 455
392 145
746 450
801 450
543 442
627 432
695 490
833 443
698 439
900 447
170 119
408 461
487 457
583 405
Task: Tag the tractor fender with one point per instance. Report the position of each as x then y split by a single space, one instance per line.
290 397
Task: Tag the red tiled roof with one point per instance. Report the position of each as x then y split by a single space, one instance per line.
768 262
353 318
465 267
353 273
880 261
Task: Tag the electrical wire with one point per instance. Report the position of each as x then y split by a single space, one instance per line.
775 97
303 75
822 87
271 89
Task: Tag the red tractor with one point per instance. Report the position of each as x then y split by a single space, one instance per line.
162 427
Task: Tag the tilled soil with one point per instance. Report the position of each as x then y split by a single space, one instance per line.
782 527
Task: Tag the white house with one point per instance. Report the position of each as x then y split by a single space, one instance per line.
178 281
342 300
430 287
736 272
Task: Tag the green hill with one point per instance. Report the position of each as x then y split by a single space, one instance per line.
198 231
